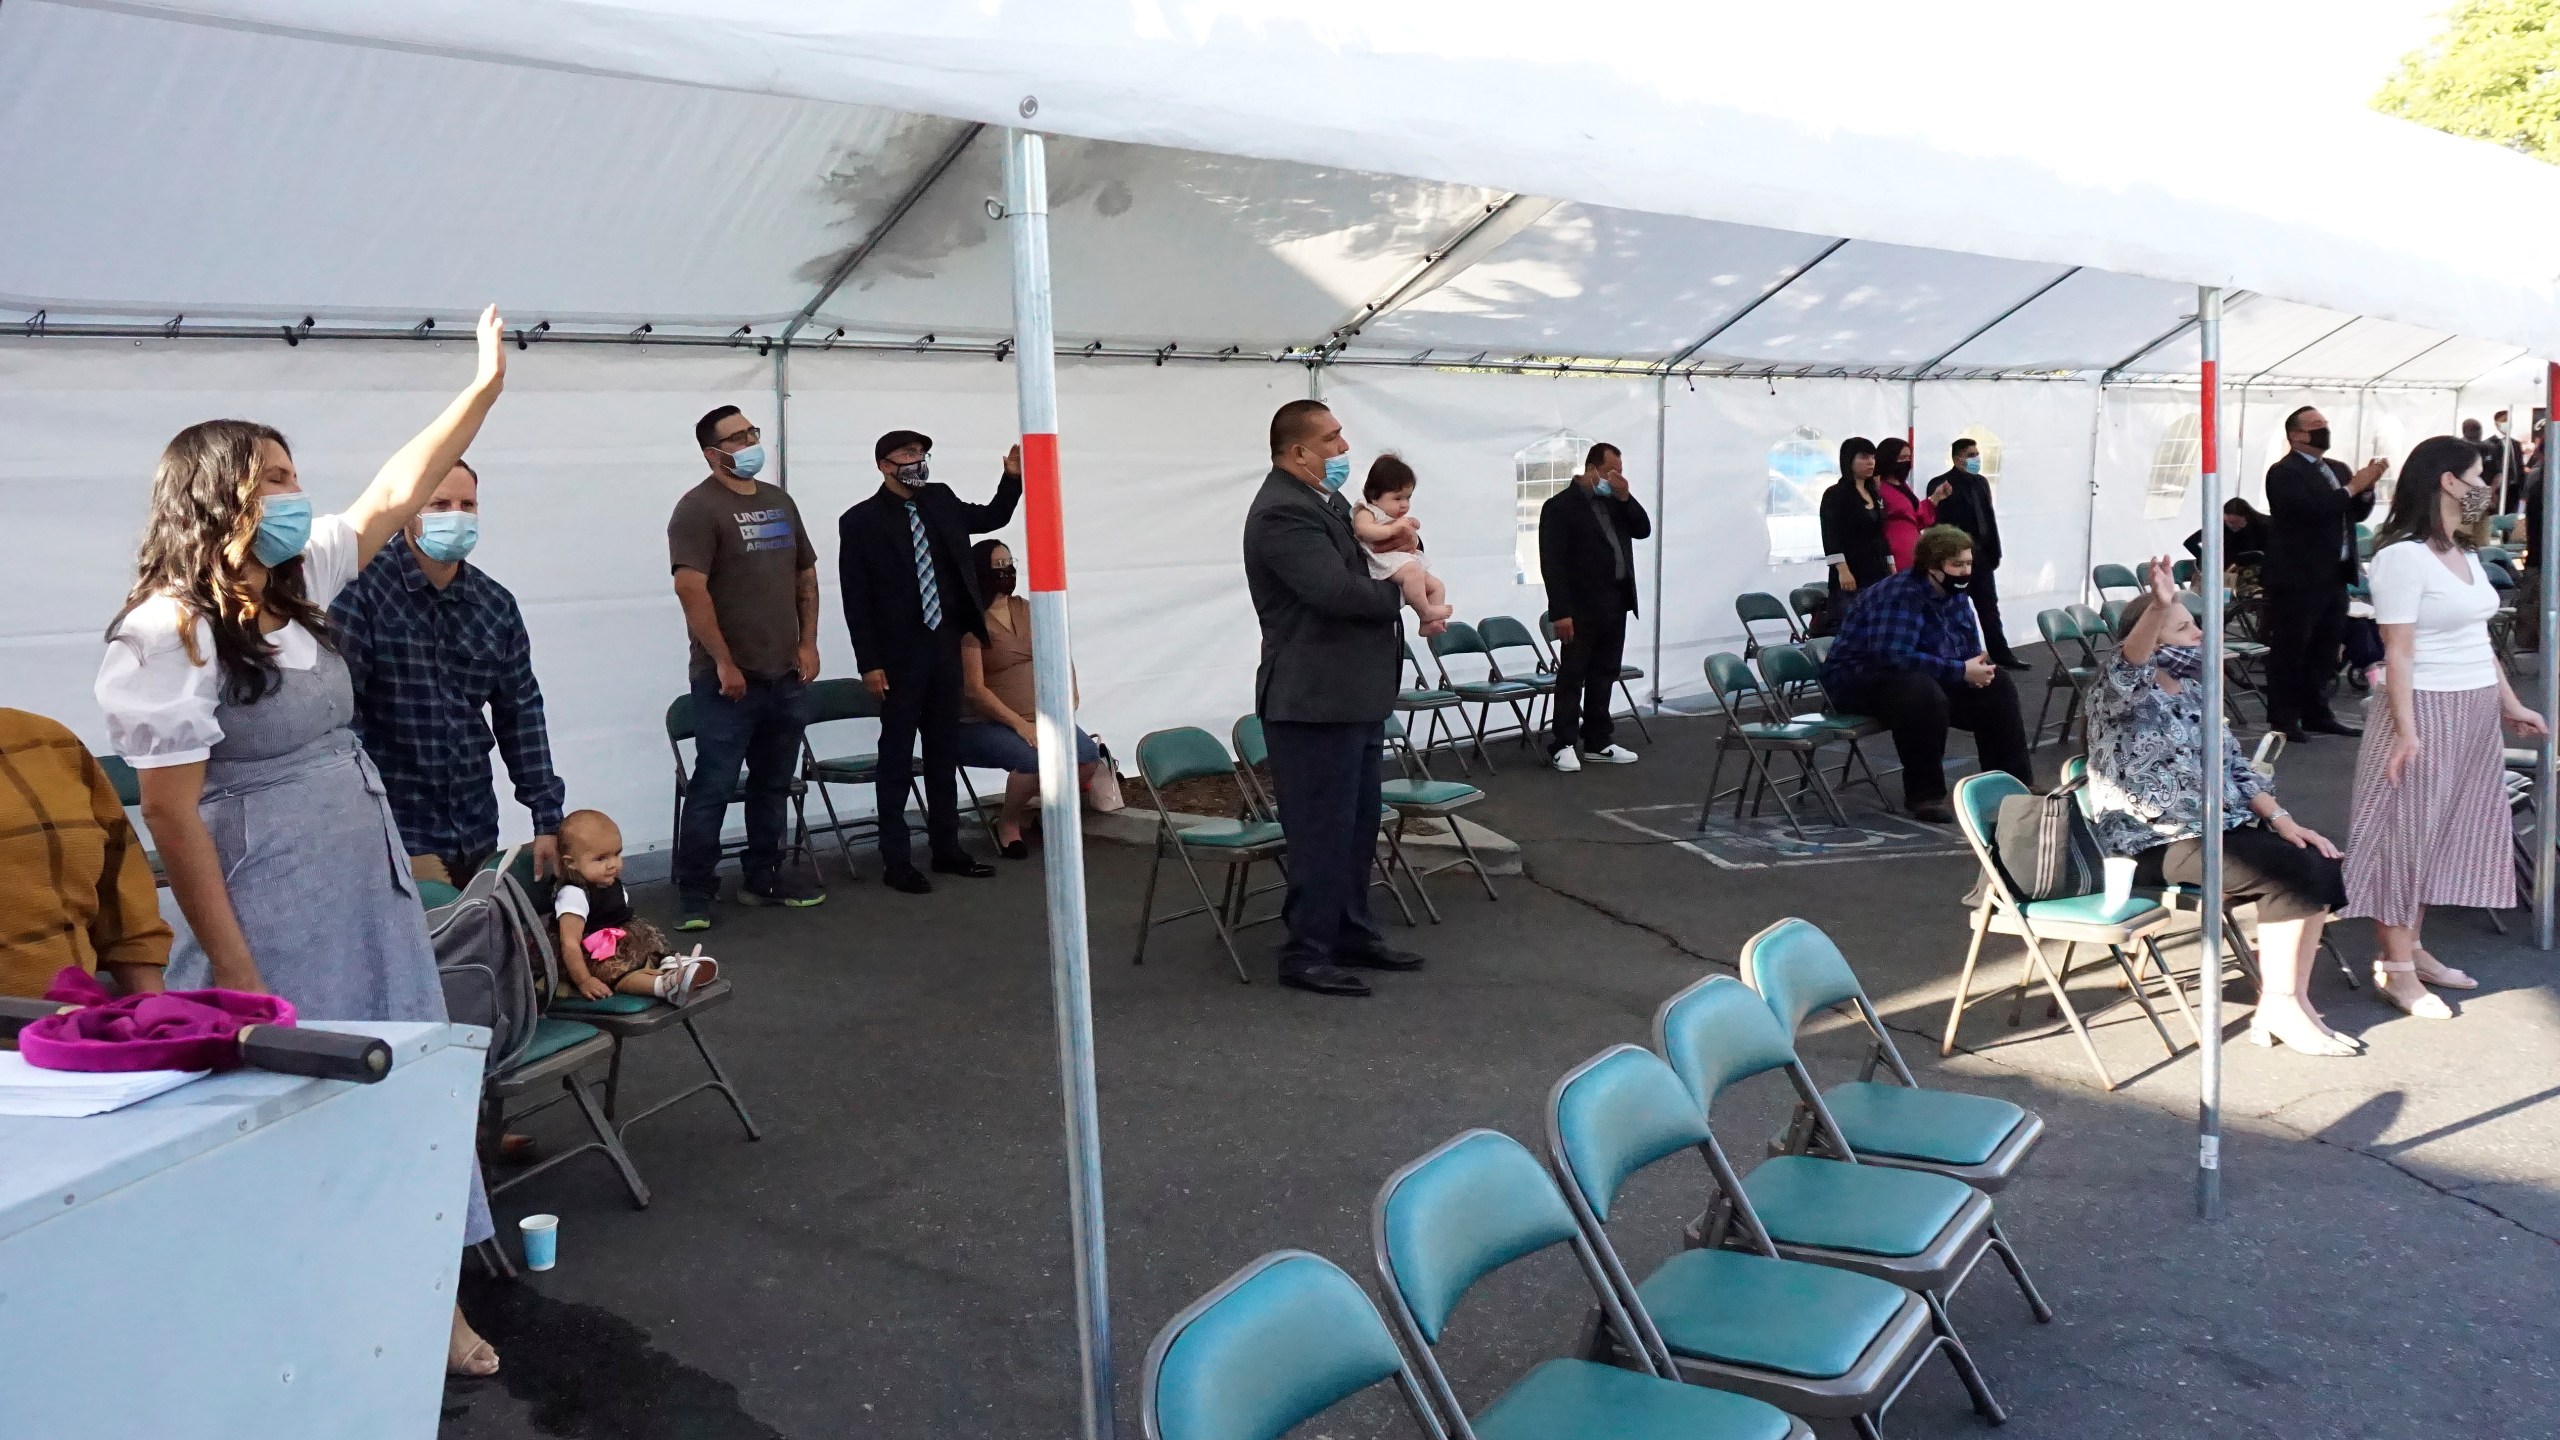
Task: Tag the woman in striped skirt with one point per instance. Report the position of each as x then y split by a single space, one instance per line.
2431 821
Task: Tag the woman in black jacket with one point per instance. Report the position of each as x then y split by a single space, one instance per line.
1853 524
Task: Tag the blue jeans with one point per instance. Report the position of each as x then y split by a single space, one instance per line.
987 745
760 732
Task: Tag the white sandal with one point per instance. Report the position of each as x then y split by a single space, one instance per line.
680 975
2425 1007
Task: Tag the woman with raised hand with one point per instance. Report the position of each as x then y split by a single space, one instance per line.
2431 823
223 688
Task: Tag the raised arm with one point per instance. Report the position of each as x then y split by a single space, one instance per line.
406 481
997 513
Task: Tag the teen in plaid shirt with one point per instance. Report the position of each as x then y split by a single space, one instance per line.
1910 653
431 643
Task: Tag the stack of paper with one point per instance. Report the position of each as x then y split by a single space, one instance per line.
69 1094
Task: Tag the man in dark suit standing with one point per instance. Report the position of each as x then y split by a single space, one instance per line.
1586 558
910 593
2313 506
1965 502
1331 660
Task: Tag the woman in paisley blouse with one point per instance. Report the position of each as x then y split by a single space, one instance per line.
2146 793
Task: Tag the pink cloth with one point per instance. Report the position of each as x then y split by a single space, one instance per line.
600 944
1905 516
176 1030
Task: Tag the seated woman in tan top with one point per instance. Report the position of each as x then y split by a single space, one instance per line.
998 719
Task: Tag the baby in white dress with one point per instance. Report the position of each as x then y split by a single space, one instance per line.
1384 523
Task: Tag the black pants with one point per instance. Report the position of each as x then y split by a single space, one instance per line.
923 701
1586 673
1327 778
1920 711
2304 626
1985 592
2288 881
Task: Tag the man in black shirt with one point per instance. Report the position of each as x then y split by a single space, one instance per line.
1968 507
2313 504
1586 555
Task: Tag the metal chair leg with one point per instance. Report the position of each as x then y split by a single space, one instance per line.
1964 978
2039 965
1147 905
611 1139
2008 1254
720 1080
1962 1358
1216 919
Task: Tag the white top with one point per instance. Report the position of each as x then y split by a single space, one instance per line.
160 704
2411 586
1383 564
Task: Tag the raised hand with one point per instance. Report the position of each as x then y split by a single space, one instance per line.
1013 460
2159 577
493 352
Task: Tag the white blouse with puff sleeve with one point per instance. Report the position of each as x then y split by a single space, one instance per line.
161 705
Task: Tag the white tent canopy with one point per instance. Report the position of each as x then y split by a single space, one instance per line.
1687 206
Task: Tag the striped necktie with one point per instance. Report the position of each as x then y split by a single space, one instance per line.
927 591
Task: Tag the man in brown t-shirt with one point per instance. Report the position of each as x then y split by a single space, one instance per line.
747 577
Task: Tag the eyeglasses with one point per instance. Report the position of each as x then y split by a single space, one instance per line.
749 436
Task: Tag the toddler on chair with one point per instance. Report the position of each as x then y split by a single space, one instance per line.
604 947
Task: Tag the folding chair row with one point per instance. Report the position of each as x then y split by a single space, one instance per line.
1789 672
1526 687
1814 1289
831 701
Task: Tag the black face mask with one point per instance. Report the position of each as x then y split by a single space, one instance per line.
2317 439
1002 578
1956 584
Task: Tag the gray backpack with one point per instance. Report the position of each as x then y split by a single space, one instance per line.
494 960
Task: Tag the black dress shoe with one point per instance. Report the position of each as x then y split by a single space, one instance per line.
909 879
1385 957
1017 850
2013 663
1325 980
969 865
2330 725
1934 812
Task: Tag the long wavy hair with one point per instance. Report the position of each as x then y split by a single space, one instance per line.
2415 512
197 550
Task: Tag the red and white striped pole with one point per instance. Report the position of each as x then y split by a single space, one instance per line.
1026 204
2209 576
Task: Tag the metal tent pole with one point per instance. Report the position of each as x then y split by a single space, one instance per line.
2209 971
2546 772
1661 532
1026 204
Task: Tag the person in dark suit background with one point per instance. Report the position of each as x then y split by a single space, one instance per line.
910 594
1586 556
2313 505
1968 507
1331 662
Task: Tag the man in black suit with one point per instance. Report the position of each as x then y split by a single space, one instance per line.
1331 660
1586 557
2313 505
1967 506
910 593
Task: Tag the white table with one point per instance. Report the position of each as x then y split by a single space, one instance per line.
249 1255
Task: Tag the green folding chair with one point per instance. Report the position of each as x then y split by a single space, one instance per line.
2104 578
2182 572
679 731
1977 1139
1460 641
1759 740
1816 1341
1761 607
1792 672
1424 798
1627 674
1169 757
1276 1344
1500 634
1423 696
2096 637
833 701
1804 600
2071 921
1261 804
1478 1203
2062 640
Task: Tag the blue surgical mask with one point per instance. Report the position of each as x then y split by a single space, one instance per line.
284 527
1601 489
1337 472
448 535
1973 464
747 462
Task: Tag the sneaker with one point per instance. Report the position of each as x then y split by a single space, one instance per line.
1613 755
696 913
680 975
1565 760
781 888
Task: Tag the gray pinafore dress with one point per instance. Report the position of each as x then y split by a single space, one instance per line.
315 866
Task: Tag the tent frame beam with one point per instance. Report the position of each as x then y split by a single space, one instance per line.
853 258
1767 293
1437 267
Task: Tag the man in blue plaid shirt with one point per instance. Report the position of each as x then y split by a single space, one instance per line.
1910 653
431 643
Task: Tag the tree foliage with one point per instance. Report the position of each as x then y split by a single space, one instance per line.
2494 74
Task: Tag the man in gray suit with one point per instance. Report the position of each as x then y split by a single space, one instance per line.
1331 661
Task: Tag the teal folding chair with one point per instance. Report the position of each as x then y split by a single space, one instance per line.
831 701
1169 757
1760 740
1260 804
2071 921
1421 797
2111 615
1626 674
2096 638
1813 1340
1973 1138
2114 577
1804 600
2062 641
1924 1232
1460 641
1502 634
1791 671
1478 1203
1421 695
2182 572
1278 1343
1762 608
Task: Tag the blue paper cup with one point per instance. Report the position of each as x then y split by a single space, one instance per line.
541 1240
